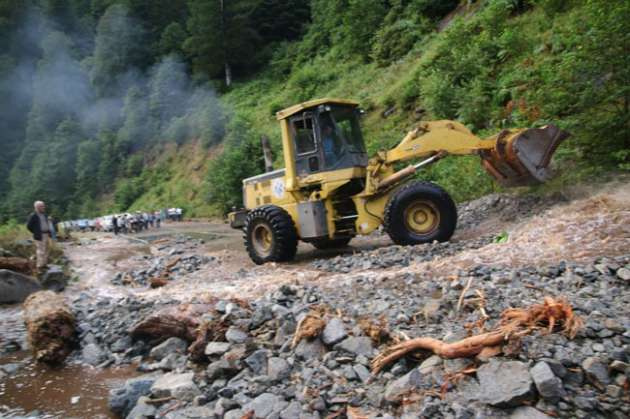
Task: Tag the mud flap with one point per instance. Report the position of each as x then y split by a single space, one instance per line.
522 157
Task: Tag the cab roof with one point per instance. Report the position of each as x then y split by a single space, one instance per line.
292 110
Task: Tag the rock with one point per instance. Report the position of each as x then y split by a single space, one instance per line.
170 345
221 368
236 335
257 362
334 332
623 273
93 354
193 412
142 410
265 404
217 348
596 371
403 385
278 369
504 383
356 345
292 411
122 344
54 278
179 386
234 414
310 349
123 399
362 372
527 412
15 287
548 385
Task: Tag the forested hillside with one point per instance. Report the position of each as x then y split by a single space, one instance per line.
115 104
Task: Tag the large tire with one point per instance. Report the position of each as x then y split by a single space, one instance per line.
270 235
420 212
331 243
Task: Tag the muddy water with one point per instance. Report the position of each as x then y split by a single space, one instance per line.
74 391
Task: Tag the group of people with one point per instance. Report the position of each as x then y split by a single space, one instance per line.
133 223
44 228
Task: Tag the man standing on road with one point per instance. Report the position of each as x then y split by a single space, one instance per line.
39 226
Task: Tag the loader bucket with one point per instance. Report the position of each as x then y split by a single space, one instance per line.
522 157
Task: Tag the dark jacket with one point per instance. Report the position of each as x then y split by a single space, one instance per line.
34 227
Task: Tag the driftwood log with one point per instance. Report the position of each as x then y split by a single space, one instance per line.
515 322
50 326
180 321
16 264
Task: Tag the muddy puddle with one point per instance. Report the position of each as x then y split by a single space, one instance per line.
74 391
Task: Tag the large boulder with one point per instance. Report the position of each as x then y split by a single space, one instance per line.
179 386
123 399
505 383
15 287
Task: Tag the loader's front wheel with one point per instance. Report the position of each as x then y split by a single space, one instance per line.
270 235
420 212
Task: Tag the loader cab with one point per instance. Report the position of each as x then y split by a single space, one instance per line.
327 137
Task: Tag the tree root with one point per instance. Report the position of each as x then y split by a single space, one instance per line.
515 322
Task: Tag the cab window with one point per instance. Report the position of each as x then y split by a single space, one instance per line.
304 135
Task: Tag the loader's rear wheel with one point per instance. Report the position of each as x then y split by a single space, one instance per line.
420 212
331 243
270 235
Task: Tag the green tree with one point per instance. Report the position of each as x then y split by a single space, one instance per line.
119 47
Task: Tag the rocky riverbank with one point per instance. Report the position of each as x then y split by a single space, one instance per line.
300 340
253 366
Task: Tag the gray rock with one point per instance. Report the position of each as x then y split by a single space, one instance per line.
548 385
234 414
142 410
362 372
334 332
123 399
193 412
624 273
93 354
278 369
54 278
179 386
310 349
222 368
15 287
265 404
236 335
170 345
596 371
356 345
504 383
257 362
292 411
528 412
403 385
122 344
217 348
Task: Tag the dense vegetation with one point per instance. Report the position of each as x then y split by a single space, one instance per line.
116 104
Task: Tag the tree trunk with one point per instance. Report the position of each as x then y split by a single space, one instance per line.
180 321
50 325
267 154
16 264
228 74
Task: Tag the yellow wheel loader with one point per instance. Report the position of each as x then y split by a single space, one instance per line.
329 191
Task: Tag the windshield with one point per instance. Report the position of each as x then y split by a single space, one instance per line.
342 124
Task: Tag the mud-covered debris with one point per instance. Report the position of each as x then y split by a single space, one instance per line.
515 322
